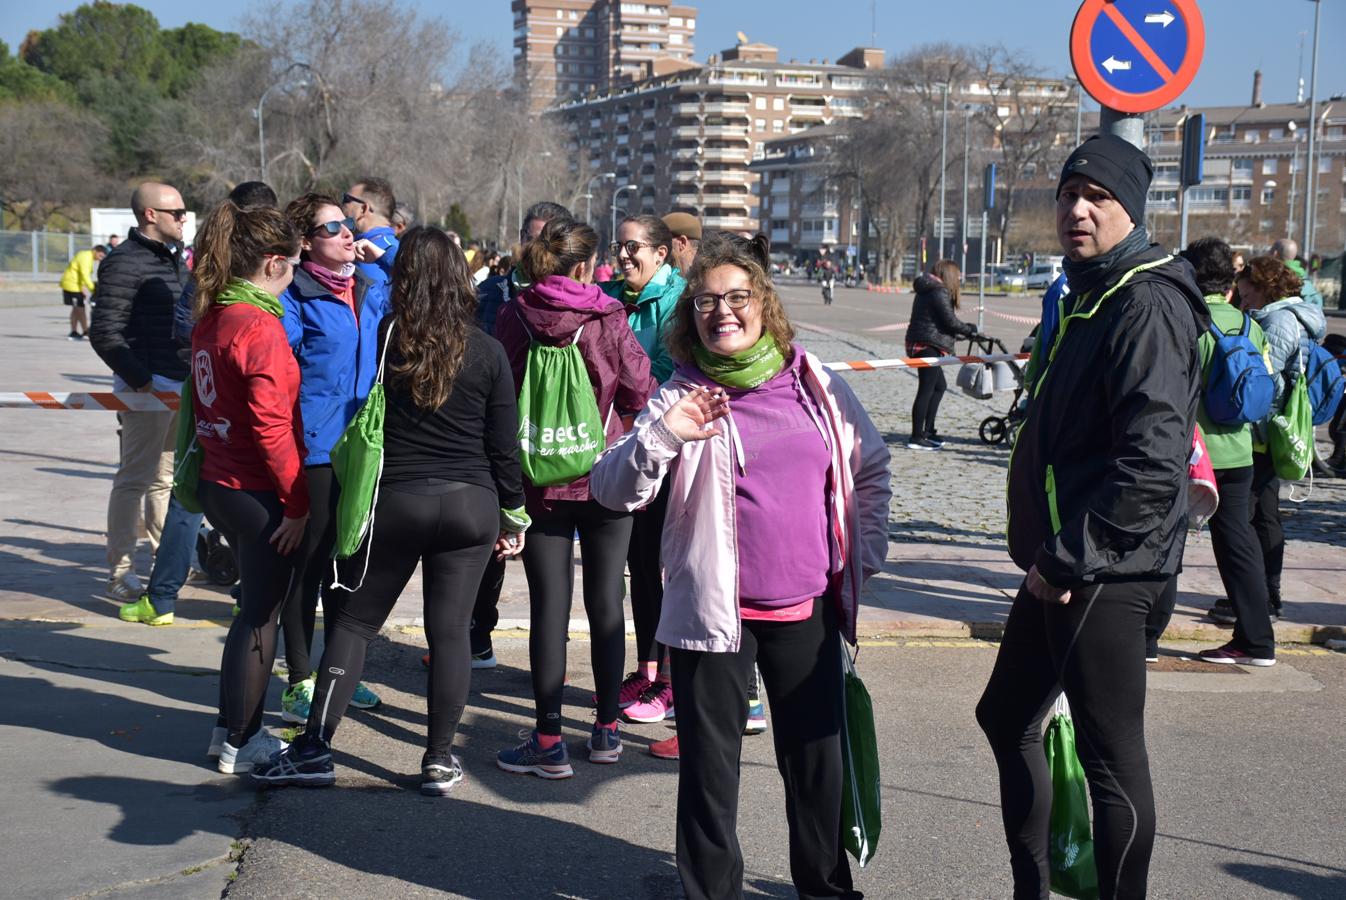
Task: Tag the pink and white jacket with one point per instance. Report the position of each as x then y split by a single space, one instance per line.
700 543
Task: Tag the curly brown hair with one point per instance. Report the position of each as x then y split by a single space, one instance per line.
753 257
1272 277
302 210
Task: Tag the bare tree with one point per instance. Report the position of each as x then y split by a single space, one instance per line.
51 162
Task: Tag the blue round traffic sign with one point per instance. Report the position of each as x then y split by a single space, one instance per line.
1135 56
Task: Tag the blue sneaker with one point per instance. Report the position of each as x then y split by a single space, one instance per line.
756 718
530 758
605 744
296 700
305 763
364 698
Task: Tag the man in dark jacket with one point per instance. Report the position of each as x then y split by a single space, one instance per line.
1097 517
132 331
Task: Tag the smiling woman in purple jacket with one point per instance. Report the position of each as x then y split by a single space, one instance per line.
561 306
777 515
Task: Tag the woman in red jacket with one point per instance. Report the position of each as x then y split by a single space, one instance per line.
561 306
246 397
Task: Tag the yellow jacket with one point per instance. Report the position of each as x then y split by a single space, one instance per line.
78 277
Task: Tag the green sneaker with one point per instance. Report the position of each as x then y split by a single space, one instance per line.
142 611
364 698
295 702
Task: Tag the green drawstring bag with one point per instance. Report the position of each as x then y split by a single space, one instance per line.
187 453
1071 845
560 431
1290 433
861 807
357 463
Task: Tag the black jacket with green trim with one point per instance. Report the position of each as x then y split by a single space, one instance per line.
1098 477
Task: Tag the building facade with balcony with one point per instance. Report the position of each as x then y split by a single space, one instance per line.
565 49
686 140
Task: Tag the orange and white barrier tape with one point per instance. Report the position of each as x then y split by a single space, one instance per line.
102 401
1022 320
926 362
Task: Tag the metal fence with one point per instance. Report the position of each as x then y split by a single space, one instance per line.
38 255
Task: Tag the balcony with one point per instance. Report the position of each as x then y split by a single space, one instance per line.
730 223
730 176
687 175
726 154
727 131
727 108
687 109
623 118
807 111
685 153
687 132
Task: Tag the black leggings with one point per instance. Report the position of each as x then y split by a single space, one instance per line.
930 387
248 519
451 528
1094 648
647 575
1266 516
549 563
313 560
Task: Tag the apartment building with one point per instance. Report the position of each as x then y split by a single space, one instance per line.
565 49
685 140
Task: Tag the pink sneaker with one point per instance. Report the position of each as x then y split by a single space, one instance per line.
655 705
633 685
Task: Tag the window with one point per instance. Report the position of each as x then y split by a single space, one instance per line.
1297 164
1269 166
1324 165
691 24
777 126
1268 196
675 21
1251 136
1241 196
760 103
1243 167
589 33
1276 134
675 39
778 103
759 124
1335 133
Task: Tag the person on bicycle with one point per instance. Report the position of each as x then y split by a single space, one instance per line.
827 275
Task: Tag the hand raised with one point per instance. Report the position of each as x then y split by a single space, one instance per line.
692 417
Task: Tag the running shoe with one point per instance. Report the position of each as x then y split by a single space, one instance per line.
305 763
605 744
924 444
74 336
655 705
935 439
256 752
1275 613
1222 612
364 698
440 774
529 758
218 735
126 587
756 718
1231 655
142 611
665 749
296 700
485 659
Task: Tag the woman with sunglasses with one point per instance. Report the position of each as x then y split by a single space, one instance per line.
650 288
562 306
777 514
252 486
332 315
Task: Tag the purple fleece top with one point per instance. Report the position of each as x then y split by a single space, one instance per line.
781 496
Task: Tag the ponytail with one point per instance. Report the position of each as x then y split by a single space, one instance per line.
562 245
233 243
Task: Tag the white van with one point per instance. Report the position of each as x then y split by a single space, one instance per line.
1044 272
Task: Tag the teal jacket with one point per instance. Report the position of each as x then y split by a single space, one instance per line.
651 314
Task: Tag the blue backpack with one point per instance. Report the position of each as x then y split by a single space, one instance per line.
1239 389
1325 381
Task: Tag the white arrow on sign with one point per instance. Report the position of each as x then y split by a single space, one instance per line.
1164 18
1112 64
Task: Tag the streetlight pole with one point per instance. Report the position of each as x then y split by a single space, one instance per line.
967 119
1079 109
1294 179
261 133
943 167
615 194
589 195
1310 200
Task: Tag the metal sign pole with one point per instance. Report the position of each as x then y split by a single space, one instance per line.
981 282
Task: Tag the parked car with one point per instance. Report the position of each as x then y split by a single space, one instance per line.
1005 276
1043 273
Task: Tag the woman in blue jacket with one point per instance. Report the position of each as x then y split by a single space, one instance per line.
332 315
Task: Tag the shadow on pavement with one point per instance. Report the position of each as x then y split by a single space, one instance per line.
1290 882
143 821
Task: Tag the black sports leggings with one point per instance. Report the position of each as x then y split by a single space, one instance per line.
451 528
647 574
930 387
248 519
1094 648
313 560
549 563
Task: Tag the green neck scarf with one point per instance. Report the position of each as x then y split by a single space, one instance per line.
745 369
240 291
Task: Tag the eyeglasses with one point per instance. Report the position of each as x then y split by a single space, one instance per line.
179 214
631 247
333 228
351 198
710 302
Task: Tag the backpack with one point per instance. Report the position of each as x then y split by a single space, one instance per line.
560 430
1239 389
1325 381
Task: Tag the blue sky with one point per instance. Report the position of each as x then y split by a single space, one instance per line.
1241 35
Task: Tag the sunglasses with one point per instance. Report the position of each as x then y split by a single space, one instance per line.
710 302
631 247
178 214
333 228
351 198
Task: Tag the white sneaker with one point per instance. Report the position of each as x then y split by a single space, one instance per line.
218 735
128 587
259 749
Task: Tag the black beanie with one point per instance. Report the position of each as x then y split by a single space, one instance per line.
1116 164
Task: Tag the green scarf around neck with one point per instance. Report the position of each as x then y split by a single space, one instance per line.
743 370
240 291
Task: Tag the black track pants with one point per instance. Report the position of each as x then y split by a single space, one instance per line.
930 387
313 559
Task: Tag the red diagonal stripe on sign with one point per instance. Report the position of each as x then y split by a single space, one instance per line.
1130 33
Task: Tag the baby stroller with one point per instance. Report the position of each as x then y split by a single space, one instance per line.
982 380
